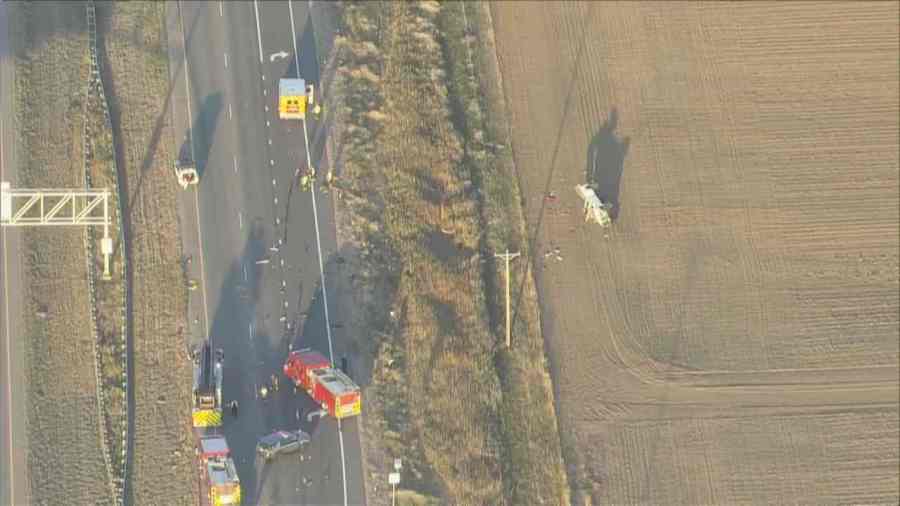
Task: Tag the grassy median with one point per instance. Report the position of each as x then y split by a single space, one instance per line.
136 75
65 434
109 294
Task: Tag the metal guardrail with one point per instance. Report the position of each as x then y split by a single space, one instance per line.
118 481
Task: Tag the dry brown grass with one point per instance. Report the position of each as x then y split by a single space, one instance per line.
135 55
64 457
109 294
532 457
753 151
474 424
443 390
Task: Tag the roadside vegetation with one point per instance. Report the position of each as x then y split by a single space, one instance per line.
109 295
431 197
65 456
134 53
68 418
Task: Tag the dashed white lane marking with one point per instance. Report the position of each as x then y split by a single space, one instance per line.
250 331
244 267
241 220
229 111
235 164
226 60
270 142
258 33
220 9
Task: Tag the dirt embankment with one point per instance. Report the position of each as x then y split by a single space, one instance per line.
134 43
734 337
64 457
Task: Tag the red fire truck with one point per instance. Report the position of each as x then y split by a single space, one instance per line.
219 482
330 387
219 475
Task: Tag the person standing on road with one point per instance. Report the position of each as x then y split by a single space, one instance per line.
234 408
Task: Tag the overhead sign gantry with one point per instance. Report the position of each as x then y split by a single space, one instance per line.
52 207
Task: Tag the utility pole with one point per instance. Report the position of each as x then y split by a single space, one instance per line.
507 256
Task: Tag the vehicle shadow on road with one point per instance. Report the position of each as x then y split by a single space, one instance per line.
308 58
229 331
606 161
199 139
349 348
261 480
251 362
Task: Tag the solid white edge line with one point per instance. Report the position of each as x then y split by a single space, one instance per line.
258 32
325 304
12 460
319 248
187 89
294 41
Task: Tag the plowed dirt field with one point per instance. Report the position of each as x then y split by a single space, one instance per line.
734 337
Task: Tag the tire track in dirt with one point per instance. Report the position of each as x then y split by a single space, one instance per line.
645 379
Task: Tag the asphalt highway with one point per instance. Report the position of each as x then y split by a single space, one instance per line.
13 438
260 266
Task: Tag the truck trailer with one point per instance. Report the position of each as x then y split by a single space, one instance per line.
331 388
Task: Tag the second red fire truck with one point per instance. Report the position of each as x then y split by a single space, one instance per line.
329 387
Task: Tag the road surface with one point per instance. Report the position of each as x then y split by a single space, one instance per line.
260 267
13 470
